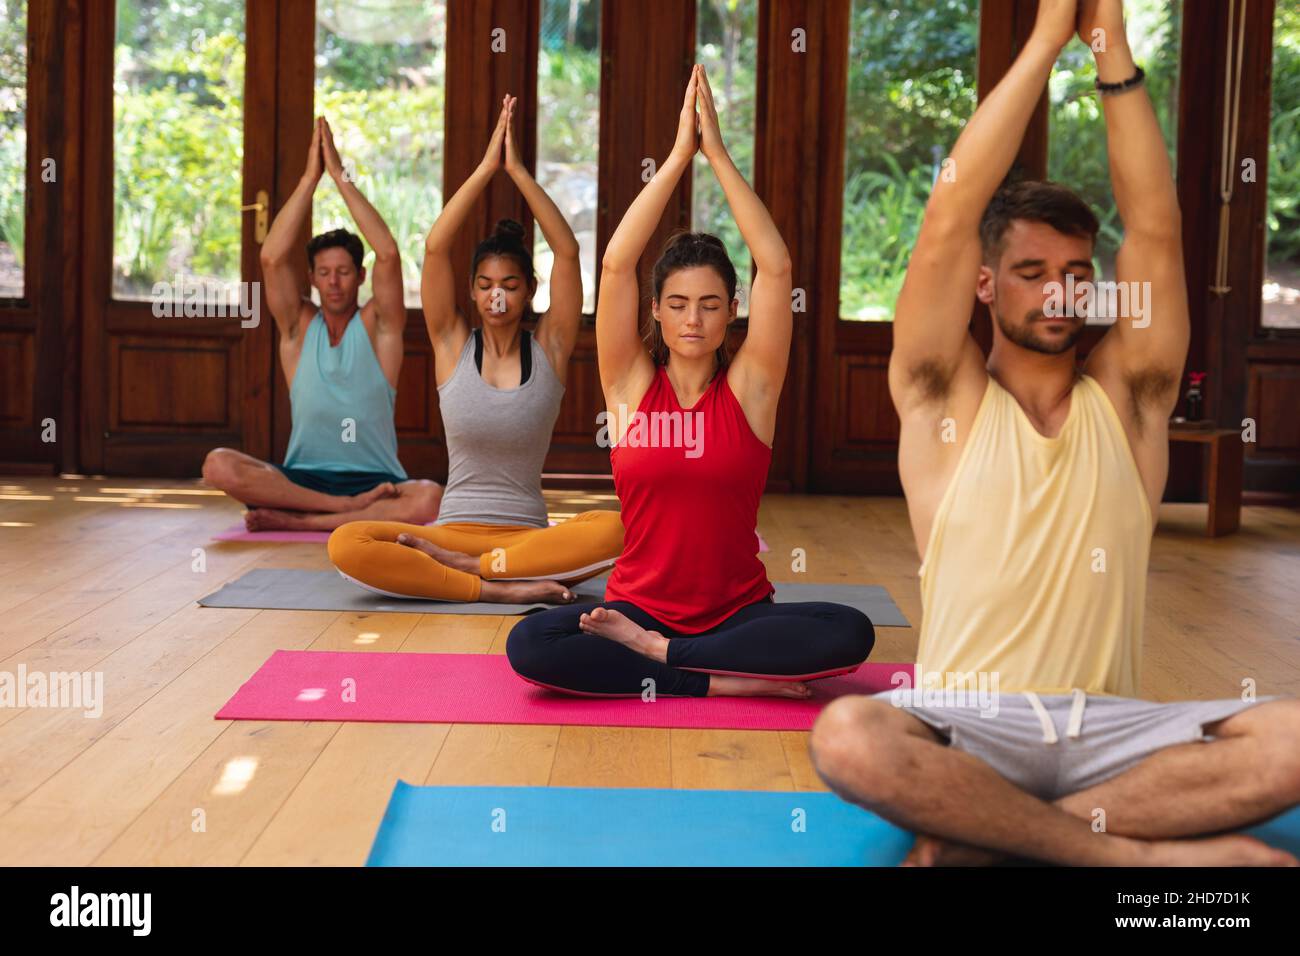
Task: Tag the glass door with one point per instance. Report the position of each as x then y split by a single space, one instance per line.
181 148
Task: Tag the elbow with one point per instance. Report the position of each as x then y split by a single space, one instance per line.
1164 228
779 267
942 227
387 253
615 265
270 259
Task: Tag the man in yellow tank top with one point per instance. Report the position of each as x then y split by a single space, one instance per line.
1031 490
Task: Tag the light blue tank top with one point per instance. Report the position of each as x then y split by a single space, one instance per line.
342 406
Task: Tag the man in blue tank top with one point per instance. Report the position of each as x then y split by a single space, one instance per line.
342 363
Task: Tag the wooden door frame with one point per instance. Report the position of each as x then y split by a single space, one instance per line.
39 330
178 450
1228 341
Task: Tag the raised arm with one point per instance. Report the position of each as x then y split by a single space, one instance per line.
758 370
448 329
1143 353
933 309
386 280
625 365
558 332
283 294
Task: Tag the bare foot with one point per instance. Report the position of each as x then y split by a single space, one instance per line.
1234 850
368 498
934 851
526 592
725 686
606 622
452 559
272 519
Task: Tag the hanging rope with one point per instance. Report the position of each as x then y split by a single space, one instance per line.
1231 124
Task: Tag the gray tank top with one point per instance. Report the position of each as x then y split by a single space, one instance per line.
497 439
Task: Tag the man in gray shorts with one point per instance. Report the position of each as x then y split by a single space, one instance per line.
1032 491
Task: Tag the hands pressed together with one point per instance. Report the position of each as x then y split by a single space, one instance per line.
1059 20
323 155
502 150
697 126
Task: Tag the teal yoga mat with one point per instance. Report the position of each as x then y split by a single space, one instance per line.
566 826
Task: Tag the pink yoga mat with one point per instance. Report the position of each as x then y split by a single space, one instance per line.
482 689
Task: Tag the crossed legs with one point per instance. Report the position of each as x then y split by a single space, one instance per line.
462 561
879 757
276 503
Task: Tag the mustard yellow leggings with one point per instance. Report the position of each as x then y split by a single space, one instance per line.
569 552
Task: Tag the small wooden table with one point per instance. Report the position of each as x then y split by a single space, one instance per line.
1227 464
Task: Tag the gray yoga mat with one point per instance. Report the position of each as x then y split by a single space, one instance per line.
291 589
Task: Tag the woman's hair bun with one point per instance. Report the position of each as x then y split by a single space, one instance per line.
508 229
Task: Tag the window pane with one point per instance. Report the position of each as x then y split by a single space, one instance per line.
726 43
1282 267
911 86
568 134
380 69
178 112
13 145
1076 153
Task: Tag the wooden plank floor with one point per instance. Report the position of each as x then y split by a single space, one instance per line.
103 576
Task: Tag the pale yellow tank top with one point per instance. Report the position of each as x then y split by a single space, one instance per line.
1037 561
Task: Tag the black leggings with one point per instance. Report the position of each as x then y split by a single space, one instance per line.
764 639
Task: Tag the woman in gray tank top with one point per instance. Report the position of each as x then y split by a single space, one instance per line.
499 389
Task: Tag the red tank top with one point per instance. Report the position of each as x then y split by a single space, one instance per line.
690 551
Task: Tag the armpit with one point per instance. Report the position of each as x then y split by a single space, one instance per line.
931 379
1149 392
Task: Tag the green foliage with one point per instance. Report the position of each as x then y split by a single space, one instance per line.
883 215
1284 143
178 160
179 127
912 85
569 91
13 195
13 131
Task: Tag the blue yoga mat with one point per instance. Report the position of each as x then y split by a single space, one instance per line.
565 826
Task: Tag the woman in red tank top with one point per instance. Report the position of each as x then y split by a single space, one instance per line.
688 610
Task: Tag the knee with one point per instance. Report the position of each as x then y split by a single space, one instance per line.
1282 731
426 500
859 634
607 527
218 467
849 748
524 648
852 633
345 545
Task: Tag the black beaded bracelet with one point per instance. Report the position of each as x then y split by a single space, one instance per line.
1110 89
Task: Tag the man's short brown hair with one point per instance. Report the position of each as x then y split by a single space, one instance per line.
1035 201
